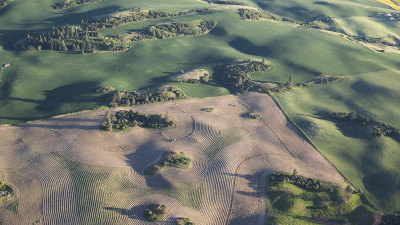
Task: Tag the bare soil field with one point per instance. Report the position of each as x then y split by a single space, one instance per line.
66 171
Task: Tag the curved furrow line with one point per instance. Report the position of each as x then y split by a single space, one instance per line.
264 134
134 177
200 161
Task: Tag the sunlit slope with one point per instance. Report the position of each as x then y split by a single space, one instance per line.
391 3
308 10
369 163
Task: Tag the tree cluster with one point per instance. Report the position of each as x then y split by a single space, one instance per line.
378 129
301 181
326 79
72 3
171 30
238 75
86 38
226 2
155 212
70 39
122 120
130 98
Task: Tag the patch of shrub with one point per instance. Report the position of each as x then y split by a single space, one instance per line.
177 160
171 30
207 109
122 120
6 192
378 129
252 116
252 14
155 212
184 221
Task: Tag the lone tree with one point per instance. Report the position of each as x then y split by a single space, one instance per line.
108 122
289 84
263 61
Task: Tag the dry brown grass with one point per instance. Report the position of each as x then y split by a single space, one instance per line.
74 172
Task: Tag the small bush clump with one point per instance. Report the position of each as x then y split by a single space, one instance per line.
184 221
6 192
177 160
155 212
207 109
253 116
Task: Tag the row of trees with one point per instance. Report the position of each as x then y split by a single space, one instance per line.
130 98
72 3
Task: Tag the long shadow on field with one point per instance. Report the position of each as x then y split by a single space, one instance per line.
69 17
118 210
146 156
244 220
248 47
135 212
81 93
252 181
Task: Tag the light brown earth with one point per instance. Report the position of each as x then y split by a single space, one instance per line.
66 171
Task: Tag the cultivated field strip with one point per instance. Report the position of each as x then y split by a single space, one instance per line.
29 198
59 200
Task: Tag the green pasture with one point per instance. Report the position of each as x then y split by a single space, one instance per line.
369 163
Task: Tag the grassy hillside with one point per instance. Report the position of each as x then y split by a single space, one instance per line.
369 163
41 84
